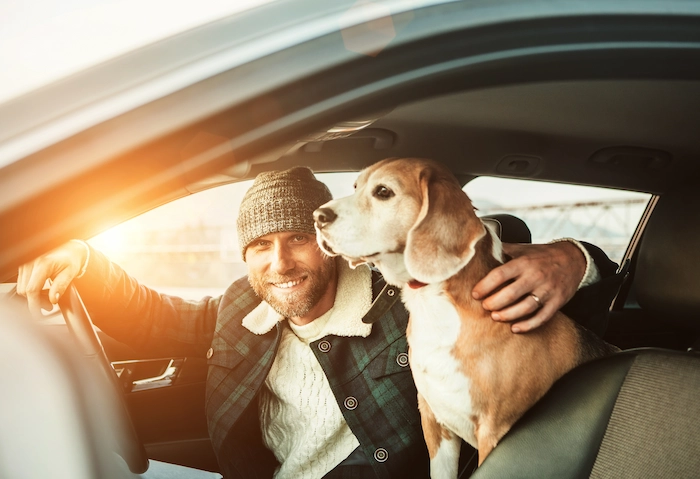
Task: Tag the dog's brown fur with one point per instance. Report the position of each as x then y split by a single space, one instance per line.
427 231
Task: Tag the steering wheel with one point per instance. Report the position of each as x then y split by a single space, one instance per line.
80 325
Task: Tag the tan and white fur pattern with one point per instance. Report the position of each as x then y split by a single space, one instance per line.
475 378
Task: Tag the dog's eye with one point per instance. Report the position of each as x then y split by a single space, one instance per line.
382 192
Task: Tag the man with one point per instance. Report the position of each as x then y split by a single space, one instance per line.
298 385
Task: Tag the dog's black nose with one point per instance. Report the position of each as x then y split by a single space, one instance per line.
324 216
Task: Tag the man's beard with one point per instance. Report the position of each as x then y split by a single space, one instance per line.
298 303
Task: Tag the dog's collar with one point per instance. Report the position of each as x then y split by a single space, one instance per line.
415 284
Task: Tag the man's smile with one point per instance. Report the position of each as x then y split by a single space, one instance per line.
289 284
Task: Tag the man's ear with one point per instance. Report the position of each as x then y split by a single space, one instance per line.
442 240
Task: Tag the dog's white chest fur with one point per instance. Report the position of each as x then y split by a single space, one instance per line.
434 329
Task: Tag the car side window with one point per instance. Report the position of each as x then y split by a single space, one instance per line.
602 216
189 247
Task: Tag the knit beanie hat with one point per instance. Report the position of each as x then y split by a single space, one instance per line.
280 201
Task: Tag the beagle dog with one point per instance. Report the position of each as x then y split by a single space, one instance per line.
475 378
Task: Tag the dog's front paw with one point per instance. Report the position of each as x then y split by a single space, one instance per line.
445 463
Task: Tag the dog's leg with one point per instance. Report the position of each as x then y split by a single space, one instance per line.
487 437
443 445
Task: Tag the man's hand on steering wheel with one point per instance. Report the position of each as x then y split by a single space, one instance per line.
61 266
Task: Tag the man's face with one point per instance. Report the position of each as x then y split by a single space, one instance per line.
289 271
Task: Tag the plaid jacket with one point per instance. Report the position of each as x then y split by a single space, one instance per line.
370 377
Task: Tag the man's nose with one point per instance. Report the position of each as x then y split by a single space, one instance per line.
282 260
324 217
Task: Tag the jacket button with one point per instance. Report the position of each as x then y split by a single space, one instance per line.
324 346
350 403
402 359
210 353
381 455
390 292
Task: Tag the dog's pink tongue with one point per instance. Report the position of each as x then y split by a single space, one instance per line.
415 284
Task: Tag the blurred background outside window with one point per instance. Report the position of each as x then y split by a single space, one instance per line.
602 216
190 247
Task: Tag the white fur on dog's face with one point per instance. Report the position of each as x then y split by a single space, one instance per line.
372 223
408 216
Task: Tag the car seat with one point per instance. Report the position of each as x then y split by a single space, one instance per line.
509 228
54 414
635 414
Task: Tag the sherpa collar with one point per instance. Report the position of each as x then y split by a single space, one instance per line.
352 301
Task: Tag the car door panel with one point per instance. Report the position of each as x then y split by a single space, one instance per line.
170 419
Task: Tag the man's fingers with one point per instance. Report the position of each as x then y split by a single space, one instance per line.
60 266
33 283
37 302
512 293
34 302
520 309
23 275
20 282
44 300
494 280
543 315
503 298
60 285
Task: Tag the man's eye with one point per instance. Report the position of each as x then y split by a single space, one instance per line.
383 192
300 238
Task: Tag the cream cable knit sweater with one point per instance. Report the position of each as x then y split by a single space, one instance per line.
300 418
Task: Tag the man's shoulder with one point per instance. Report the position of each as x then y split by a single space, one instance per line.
237 302
239 290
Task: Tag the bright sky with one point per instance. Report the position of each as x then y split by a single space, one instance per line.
44 40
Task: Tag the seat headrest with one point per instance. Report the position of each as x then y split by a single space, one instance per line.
667 278
510 229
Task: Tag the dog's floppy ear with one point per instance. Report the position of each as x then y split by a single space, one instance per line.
442 240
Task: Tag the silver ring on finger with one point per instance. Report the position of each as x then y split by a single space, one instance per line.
537 300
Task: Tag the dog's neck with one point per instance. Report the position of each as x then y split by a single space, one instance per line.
489 255
393 269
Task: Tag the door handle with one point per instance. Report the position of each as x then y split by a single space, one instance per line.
142 375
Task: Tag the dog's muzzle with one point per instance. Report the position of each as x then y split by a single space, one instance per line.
323 217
